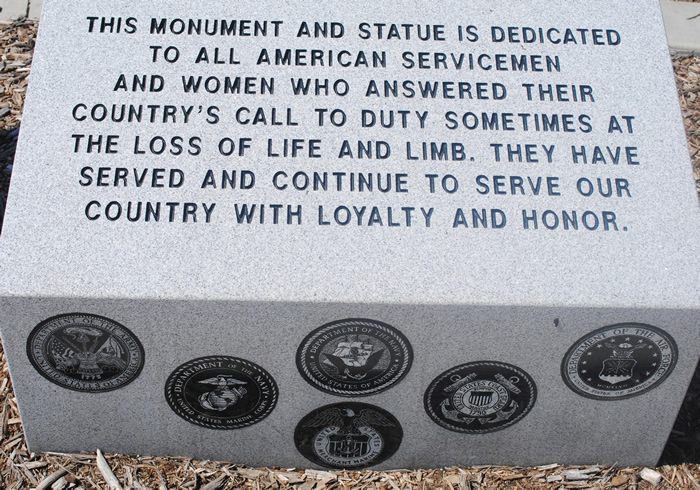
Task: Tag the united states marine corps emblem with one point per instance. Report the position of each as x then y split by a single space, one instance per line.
85 352
221 392
480 397
348 435
354 357
619 361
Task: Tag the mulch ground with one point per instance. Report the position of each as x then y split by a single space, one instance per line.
21 469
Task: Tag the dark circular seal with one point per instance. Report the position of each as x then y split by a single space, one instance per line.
354 357
85 352
619 361
221 392
348 435
480 397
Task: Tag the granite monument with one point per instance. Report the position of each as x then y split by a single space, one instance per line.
339 235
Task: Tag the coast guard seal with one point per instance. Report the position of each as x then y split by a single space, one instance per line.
348 435
221 392
85 352
619 361
480 397
354 357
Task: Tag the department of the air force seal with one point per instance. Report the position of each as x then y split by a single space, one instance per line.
85 352
354 357
221 392
619 361
348 435
480 397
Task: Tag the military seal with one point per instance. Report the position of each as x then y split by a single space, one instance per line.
348 435
85 352
480 397
354 357
619 361
221 392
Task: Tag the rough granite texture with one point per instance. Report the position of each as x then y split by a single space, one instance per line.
459 294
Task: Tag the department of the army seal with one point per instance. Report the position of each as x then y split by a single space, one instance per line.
85 352
619 361
480 397
354 357
221 392
348 435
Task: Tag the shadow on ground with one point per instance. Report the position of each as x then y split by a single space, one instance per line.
683 444
8 143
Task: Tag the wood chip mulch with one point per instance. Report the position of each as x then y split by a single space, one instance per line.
21 469
17 43
687 69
